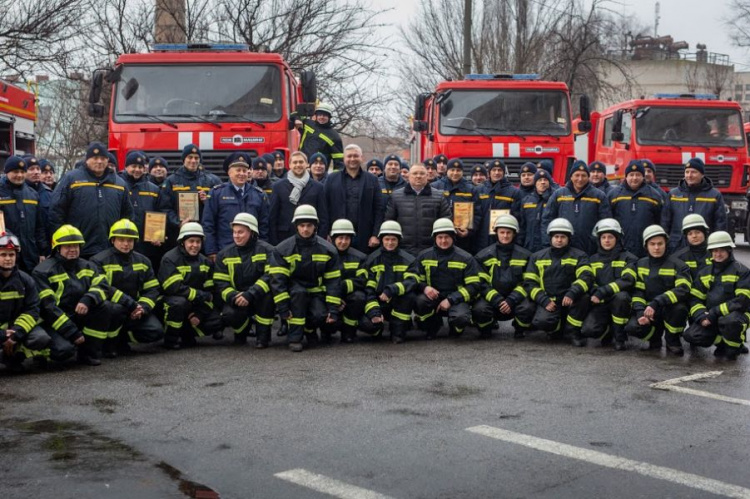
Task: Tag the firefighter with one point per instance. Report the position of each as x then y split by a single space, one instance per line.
387 298
305 280
526 176
446 281
503 265
478 175
694 194
497 195
277 160
186 278
318 135
34 180
22 213
459 190
635 206
90 198
157 171
548 166
441 165
73 300
720 300
614 278
695 255
260 178
532 208
391 179
243 282
375 166
144 196
135 291
237 195
557 280
660 294
650 174
19 309
48 173
431 168
319 168
353 280
598 174
580 203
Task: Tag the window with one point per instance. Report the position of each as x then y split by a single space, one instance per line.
607 135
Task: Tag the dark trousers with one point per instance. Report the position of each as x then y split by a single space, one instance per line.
672 319
569 319
398 314
607 318
353 311
729 330
485 315
177 326
309 312
147 329
95 326
36 341
260 311
459 315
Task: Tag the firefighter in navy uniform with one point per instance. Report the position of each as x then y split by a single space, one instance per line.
526 184
305 280
135 291
614 279
391 179
661 294
496 194
532 209
73 300
260 177
318 135
34 176
387 298
557 280
503 265
446 281
144 196
157 171
186 277
353 280
598 173
478 175
20 337
695 254
720 301
243 282
375 166
459 190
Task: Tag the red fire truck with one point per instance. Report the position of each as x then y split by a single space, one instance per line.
219 96
669 129
17 120
516 118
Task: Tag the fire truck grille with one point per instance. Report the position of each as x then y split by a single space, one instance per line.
670 175
213 161
513 164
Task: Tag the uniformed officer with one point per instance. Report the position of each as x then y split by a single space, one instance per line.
353 280
459 190
73 300
20 337
243 282
446 281
614 279
318 135
34 180
720 300
375 166
557 280
635 205
660 295
503 265
230 198
431 168
186 277
441 165
259 172
22 213
48 173
157 171
478 175
548 166
387 298
91 198
319 167
497 195
650 174
305 280
391 179
144 196
277 161
532 209
598 175
581 204
526 176
135 291
694 194
695 254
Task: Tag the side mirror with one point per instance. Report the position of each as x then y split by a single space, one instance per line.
419 126
97 84
96 110
585 108
306 109
617 134
419 106
584 126
309 87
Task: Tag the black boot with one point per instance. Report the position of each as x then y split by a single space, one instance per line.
240 339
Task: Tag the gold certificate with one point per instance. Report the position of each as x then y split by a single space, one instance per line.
155 227
463 215
189 209
493 216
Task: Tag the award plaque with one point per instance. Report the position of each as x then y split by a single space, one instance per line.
155 227
463 215
189 207
493 216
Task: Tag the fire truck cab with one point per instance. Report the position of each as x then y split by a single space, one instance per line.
219 96
17 120
517 118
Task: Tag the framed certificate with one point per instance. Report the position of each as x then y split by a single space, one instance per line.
189 207
493 216
463 215
155 227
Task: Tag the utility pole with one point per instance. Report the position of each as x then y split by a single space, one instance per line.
467 37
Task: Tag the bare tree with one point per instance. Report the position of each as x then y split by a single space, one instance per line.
739 22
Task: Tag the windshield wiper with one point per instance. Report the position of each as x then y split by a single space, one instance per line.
152 116
458 127
197 117
246 118
497 129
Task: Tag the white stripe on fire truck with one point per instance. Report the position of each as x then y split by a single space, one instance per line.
686 156
206 140
183 139
498 150
514 150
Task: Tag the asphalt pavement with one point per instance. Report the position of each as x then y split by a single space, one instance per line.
450 418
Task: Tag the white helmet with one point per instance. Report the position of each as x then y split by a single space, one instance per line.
560 225
324 107
190 229
694 221
390 228
342 227
720 239
607 225
653 231
506 222
305 212
443 225
247 220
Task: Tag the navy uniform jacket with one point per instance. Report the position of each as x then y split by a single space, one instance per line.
144 196
462 192
635 210
224 204
387 188
532 209
371 205
581 209
184 181
282 210
45 198
702 199
499 196
91 204
23 217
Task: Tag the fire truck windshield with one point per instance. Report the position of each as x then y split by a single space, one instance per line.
505 112
689 126
185 93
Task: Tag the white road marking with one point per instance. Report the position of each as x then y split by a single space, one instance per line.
614 462
327 485
671 385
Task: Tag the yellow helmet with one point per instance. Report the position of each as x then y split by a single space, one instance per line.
67 234
123 228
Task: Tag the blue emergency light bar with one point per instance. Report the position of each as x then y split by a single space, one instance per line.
501 76
186 47
686 96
